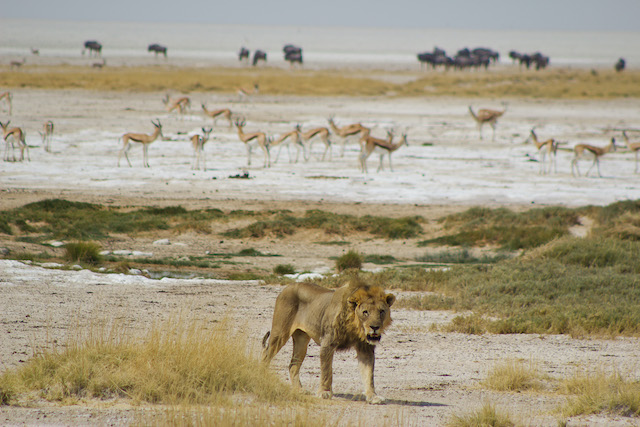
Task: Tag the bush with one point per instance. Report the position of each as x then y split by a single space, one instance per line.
282 269
87 252
348 261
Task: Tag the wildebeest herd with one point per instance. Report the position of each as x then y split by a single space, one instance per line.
480 57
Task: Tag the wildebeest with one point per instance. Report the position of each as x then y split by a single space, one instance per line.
620 65
537 59
156 48
93 47
292 54
243 54
259 55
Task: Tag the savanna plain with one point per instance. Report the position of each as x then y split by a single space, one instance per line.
133 295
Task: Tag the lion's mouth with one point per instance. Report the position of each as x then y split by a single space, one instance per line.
373 338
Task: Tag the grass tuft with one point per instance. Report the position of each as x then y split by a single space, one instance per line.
513 375
87 252
599 392
282 269
487 416
352 260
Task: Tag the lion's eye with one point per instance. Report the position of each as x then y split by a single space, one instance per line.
365 313
382 313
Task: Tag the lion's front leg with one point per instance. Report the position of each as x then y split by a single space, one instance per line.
326 371
366 363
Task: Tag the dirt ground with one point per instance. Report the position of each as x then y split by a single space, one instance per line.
426 376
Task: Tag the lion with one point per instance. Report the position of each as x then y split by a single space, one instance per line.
353 316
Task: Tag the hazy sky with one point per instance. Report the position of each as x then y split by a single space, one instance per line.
623 15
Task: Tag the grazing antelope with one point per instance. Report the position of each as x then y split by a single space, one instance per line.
287 139
546 148
633 146
35 51
308 138
254 139
198 142
215 114
179 104
18 64
99 64
47 134
345 132
141 138
14 136
584 151
379 146
244 93
487 116
6 96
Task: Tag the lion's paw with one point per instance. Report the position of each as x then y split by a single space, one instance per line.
325 394
375 400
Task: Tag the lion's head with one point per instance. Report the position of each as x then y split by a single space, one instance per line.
369 312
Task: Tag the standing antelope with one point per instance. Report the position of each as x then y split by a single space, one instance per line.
6 96
14 136
308 138
18 64
47 134
198 142
633 146
179 104
379 146
583 151
487 116
254 139
141 138
215 114
345 132
244 93
287 139
546 148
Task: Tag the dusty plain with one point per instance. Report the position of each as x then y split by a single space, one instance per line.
426 376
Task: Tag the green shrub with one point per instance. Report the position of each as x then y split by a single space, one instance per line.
282 269
350 260
87 252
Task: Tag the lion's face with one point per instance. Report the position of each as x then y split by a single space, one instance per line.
372 313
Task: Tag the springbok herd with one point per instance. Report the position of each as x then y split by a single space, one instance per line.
303 139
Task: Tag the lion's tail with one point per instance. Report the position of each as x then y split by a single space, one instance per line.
265 340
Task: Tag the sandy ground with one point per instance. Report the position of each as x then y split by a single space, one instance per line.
426 376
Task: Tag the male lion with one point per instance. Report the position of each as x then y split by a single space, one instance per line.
353 316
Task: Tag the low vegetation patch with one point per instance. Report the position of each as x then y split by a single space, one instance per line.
513 375
282 269
462 256
488 416
177 362
599 392
555 83
352 260
86 252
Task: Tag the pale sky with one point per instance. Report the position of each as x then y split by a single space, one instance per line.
572 15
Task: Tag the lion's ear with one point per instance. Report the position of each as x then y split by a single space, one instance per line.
390 299
353 301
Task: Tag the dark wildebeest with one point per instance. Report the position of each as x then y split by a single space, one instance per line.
259 55
292 54
243 54
156 48
93 47
620 65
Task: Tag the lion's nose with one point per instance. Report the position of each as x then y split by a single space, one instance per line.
375 328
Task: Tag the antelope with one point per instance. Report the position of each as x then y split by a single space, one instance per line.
287 139
254 139
99 64
8 97
198 142
18 64
141 138
487 116
379 146
307 138
11 137
345 132
633 146
215 114
244 93
179 104
584 151
35 51
47 134
548 147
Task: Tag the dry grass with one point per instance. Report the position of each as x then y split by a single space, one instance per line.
487 416
599 392
513 375
178 362
556 83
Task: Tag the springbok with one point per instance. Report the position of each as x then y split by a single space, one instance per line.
14 136
379 146
487 116
584 151
141 138
198 141
250 140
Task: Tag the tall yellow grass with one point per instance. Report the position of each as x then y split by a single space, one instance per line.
513 375
177 362
556 83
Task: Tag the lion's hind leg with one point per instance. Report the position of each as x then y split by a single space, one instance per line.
300 344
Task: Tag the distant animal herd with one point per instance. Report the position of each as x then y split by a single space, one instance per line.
303 140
